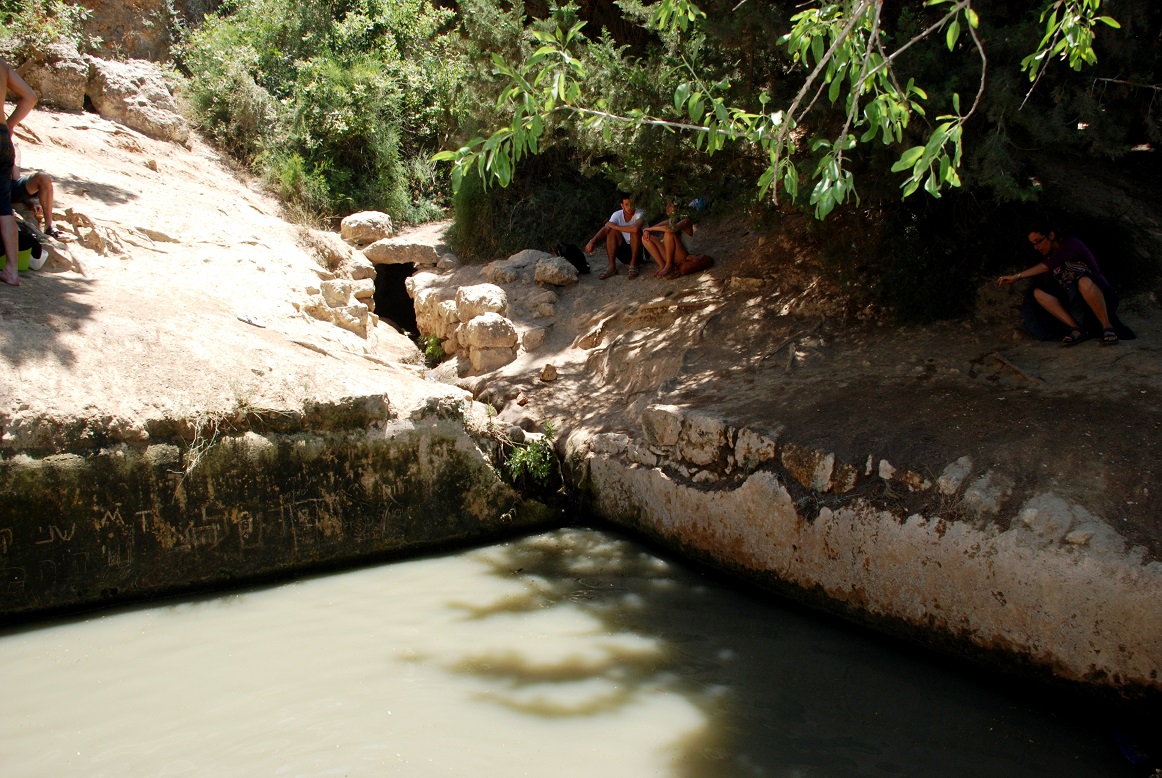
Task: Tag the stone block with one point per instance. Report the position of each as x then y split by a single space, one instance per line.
662 424
471 301
753 449
810 467
366 227
954 476
489 330
484 359
393 251
703 439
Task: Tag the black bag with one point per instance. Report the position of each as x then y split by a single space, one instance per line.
574 255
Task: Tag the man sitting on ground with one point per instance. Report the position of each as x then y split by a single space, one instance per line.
622 234
34 189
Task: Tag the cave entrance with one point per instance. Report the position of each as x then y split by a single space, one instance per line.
391 297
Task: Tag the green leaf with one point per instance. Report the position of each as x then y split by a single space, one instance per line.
908 159
682 94
697 107
952 34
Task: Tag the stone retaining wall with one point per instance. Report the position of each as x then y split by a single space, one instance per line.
1056 594
130 522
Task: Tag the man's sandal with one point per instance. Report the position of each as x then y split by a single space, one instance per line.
52 232
1109 336
1074 337
608 274
633 272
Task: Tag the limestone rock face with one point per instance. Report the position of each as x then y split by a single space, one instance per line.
329 250
135 94
59 76
472 301
134 28
337 293
366 227
555 271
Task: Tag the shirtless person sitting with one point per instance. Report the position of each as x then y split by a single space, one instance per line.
622 234
36 190
25 99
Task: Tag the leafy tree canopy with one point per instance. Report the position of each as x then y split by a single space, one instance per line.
806 95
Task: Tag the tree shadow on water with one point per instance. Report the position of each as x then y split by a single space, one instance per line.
596 625
35 315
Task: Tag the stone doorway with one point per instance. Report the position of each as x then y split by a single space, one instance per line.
392 301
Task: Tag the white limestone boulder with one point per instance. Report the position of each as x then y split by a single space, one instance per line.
366 227
489 330
472 301
506 271
135 93
555 271
59 75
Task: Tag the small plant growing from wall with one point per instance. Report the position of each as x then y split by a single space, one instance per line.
433 350
532 466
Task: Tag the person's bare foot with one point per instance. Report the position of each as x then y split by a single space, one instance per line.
12 279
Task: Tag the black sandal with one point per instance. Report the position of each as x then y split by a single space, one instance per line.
1074 337
1109 336
52 232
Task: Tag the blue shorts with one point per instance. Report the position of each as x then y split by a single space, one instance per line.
7 160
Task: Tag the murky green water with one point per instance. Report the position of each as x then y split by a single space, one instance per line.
574 653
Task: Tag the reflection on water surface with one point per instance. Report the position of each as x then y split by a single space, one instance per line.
574 653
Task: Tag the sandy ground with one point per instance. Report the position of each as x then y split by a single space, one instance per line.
158 330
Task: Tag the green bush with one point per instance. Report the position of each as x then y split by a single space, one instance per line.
533 465
327 99
27 28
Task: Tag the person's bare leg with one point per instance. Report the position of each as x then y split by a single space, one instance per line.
655 250
1054 306
9 274
635 249
44 193
1096 300
611 239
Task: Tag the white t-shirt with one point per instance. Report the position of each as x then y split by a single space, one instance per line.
618 219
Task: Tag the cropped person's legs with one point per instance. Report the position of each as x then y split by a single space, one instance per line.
41 186
1095 300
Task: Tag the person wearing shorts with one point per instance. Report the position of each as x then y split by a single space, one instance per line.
622 234
35 189
25 99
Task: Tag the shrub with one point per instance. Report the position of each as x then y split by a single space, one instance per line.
31 27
